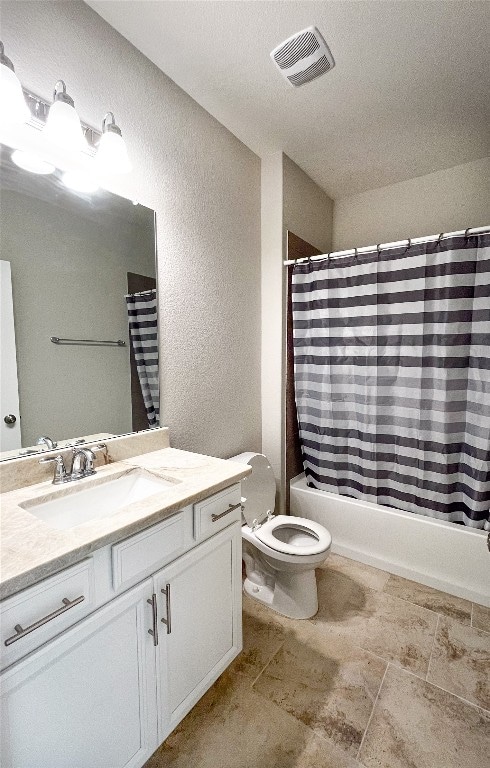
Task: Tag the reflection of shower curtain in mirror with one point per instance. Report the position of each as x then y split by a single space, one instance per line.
142 317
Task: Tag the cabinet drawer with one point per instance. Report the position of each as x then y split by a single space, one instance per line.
145 552
218 511
42 611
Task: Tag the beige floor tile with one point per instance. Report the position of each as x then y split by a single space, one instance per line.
427 597
365 575
460 661
237 728
394 629
327 684
416 725
481 617
261 640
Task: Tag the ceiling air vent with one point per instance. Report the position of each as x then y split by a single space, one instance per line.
303 57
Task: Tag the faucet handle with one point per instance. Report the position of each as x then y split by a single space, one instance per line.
99 447
60 475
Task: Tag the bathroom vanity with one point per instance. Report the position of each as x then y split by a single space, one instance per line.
121 623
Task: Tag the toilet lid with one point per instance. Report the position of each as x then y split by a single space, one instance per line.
311 538
258 490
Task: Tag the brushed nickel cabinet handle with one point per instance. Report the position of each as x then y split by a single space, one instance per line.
231 508
21 632
154 615
168 620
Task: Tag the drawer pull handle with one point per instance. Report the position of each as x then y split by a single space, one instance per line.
231 508
168 620
154 615
21 632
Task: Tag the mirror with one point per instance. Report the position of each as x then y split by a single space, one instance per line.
77 313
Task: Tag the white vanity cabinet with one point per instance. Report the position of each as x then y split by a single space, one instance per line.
200 629
87 697
107 691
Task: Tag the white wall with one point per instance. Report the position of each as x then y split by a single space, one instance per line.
205 188
272 308
308 211
444 201
290 200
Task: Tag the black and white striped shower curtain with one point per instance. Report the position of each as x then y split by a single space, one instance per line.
142 317
392 377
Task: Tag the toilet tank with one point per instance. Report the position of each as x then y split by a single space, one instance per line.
258 488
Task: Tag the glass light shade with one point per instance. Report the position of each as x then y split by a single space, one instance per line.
14 109
63 127
30 162
112 155
80 182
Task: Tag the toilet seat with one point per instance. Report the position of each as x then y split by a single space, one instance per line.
321 539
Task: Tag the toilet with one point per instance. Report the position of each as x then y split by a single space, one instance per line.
280 552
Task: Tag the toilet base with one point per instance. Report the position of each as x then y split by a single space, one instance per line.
293 595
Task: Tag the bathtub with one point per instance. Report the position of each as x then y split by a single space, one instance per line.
450 557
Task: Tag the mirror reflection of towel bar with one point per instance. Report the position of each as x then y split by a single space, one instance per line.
89 342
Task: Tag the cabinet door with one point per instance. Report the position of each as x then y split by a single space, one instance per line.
203 593
88 697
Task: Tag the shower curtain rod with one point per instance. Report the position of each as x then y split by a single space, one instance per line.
388 246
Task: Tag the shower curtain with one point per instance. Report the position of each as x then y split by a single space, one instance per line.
392 377
142 316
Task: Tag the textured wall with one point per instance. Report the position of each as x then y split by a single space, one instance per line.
444 201
272 321
308 211
290 200
205 188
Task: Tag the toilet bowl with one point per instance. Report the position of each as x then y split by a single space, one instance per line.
280 552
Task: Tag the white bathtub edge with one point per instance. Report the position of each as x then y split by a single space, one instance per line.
438 554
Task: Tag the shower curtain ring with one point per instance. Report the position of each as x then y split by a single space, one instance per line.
438 243
409 244
355 253
378 249
466 235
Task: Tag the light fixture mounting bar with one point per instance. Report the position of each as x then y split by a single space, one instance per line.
39 108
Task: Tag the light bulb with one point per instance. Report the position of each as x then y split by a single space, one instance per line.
80 182
112 155
31 162
14 110
63 127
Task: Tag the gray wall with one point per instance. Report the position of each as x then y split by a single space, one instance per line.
205 188
69 278
443 201
307 209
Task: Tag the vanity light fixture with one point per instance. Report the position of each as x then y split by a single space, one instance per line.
44 136
14 109
28 161
112 155
80 182
63 127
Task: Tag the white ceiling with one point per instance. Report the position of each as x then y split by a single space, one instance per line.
410 92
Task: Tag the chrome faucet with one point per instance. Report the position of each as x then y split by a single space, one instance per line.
82 464
47 441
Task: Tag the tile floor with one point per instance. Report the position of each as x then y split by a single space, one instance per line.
388 674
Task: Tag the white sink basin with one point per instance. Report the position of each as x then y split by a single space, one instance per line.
82 504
